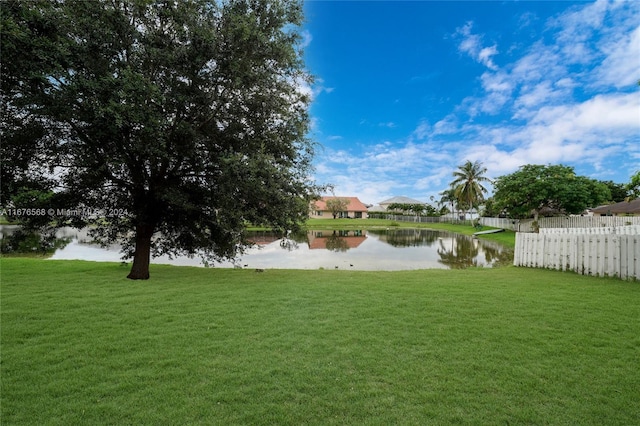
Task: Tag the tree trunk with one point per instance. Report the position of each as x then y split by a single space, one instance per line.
536 226
142 255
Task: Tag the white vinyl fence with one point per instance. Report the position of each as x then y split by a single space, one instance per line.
526 225
587 221
620 230
497 222
588 254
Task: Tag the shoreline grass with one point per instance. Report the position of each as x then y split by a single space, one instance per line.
81 344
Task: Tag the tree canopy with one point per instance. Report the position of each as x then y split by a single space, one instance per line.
618 191
532 188
174 124
633 187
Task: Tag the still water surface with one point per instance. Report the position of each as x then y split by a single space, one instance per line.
384 250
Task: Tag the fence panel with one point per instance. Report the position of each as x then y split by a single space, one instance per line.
587 254
564 222
587 221
630 257
620 230
498 222
526 225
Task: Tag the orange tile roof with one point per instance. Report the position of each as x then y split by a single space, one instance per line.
354 205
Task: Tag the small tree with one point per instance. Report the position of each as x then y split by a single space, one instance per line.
337 205
490 208
430 210
448 198
396 207
418 209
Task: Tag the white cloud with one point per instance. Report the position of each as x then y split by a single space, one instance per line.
496 82
306 38
496 161
485 54
543 93
621 67
339 157
535 95
527 19
471 44
540 62
319 87
589 132
447 125
578 23
436 177
423 130
602 113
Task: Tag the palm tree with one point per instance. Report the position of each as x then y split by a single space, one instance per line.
467 184
448 196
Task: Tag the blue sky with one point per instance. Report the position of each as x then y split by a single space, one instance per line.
407 91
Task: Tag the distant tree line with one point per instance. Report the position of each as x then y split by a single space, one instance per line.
533 190
416 209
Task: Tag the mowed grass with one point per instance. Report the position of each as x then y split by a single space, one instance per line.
80 344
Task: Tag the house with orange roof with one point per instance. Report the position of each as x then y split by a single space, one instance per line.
354 209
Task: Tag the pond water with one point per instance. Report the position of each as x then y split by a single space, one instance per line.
384 250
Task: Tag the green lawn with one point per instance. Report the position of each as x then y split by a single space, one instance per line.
80 344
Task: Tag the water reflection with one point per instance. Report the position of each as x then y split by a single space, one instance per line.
338 241
16 241
456 251
391 249
460 253
408 237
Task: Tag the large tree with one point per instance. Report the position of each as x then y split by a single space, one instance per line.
173 124
532 188
467 183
